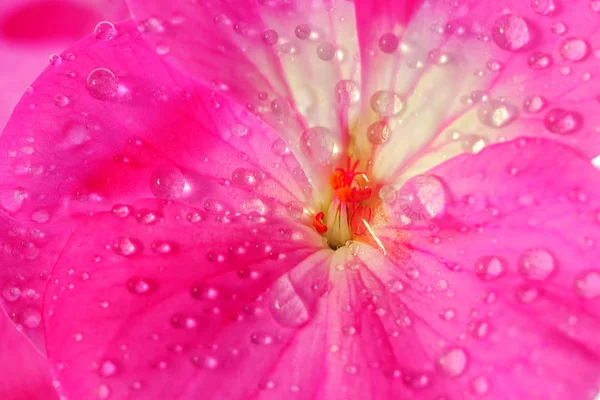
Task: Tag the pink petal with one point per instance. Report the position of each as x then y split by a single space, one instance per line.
30 31
130 127
25 373
193 305
499 280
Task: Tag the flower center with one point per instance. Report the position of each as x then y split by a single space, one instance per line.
349 214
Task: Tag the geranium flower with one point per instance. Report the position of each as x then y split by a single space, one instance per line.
313 200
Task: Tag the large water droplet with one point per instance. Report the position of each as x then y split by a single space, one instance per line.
496 114
317 144
105 30
167 182
184 322
102 84
453 362
537 264
303 31
107 368
270 37
287 307
511 32
60 100
574 49
489 268
31 318
421 198
386 103
588 285
562 122
326 51
243 177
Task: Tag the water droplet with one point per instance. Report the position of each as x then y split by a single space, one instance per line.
473 143
317 144
107 368
11 293
480 385
105 30
346 93
395 287
543 7
167 182
574 49
527 294
453 362
125 247
121 210
537 264
270 37
386 104
55 60
489 268
205 362
184 322
261 338
240 130
588 285
326 51
279 147
538 60
559 28
562 122
510 32
102 84
378 132
496 114
287 307
421 198
303 31
388 43
205 293
103 392
138 285
60 100
595 5
243 177
40 216
493 65
534 104
31 318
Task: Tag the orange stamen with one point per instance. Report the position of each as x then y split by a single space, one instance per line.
337 179
318 223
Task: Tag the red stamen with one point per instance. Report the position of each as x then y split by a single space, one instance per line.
318 223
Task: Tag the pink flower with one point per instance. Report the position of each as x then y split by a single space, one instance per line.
313 200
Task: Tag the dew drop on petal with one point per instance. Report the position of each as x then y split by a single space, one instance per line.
107 368
538 60
562 122
588 285
511 32
544 7
260 338
559 28
496 114
480 386
378 132
421 198
527 294
453 362
303 31
574 49
11 293
243 177
270 37
60 100
105 30
102 83
326 51
534 104
386 103
346 93
138 285
388 43
125 247
317 144
287 307
167 182
489 268
537 264
31 318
